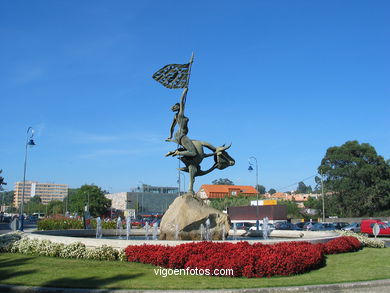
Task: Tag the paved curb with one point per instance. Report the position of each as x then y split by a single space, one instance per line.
377 286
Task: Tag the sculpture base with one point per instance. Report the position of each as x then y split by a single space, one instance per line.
184 217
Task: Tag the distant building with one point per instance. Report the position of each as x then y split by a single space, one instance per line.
159 189
249 213
209 191
146 200
46 191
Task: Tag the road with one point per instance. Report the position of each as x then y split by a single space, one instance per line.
5 227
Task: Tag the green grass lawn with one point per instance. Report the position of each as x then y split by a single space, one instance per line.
17 269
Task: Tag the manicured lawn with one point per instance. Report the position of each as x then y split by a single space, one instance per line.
17 269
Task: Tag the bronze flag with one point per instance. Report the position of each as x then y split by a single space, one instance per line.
173 76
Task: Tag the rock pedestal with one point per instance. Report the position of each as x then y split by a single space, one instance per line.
184 217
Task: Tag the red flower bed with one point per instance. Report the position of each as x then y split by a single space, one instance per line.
341 244
257 260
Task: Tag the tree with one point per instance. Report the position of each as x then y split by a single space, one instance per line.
7 197
224 203
36 199
260 188
303 188
55 207
272 191
222 181
98 203
331 207
293 210
358 178
2 181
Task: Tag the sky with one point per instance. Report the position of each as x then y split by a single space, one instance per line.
280 80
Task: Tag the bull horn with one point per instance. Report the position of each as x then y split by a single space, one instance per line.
224 148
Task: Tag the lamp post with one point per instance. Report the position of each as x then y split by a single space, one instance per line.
323 199
142 196
179 181
29 142
250 168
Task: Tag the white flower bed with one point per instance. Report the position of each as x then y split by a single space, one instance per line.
364 240
24 245
6 240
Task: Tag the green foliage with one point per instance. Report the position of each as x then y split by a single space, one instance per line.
59 223
303 188
63 223
260 189
55 207
2 181
331 207
223 203
293 210
7 197
272 191
222 181
34 206
98 203
36 199
364 240
7 240
358 177
76 250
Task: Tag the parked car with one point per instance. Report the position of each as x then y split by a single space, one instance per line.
367 225
354 227
323 227
271 227
340 225
286 226
309 225
242 226
301 224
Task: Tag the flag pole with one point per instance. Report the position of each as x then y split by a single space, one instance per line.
185 88
189 69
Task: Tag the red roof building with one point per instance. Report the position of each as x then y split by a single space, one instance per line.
208 191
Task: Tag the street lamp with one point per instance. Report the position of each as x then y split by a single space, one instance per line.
29 142
179 181
323 199
251 160
142 196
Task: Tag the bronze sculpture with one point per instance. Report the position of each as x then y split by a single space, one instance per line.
191 152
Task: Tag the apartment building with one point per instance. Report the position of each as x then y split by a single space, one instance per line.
46 191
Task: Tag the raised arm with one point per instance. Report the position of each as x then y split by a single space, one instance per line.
183 102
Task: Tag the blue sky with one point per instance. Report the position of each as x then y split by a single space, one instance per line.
280 80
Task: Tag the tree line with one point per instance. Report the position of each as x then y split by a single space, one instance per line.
356 183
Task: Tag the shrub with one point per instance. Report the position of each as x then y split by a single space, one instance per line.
341 244
102 253
7 240
73 250
364 240
59 223
257 260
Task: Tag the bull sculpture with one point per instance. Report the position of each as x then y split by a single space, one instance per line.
192 163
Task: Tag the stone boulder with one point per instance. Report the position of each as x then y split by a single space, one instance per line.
187 213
